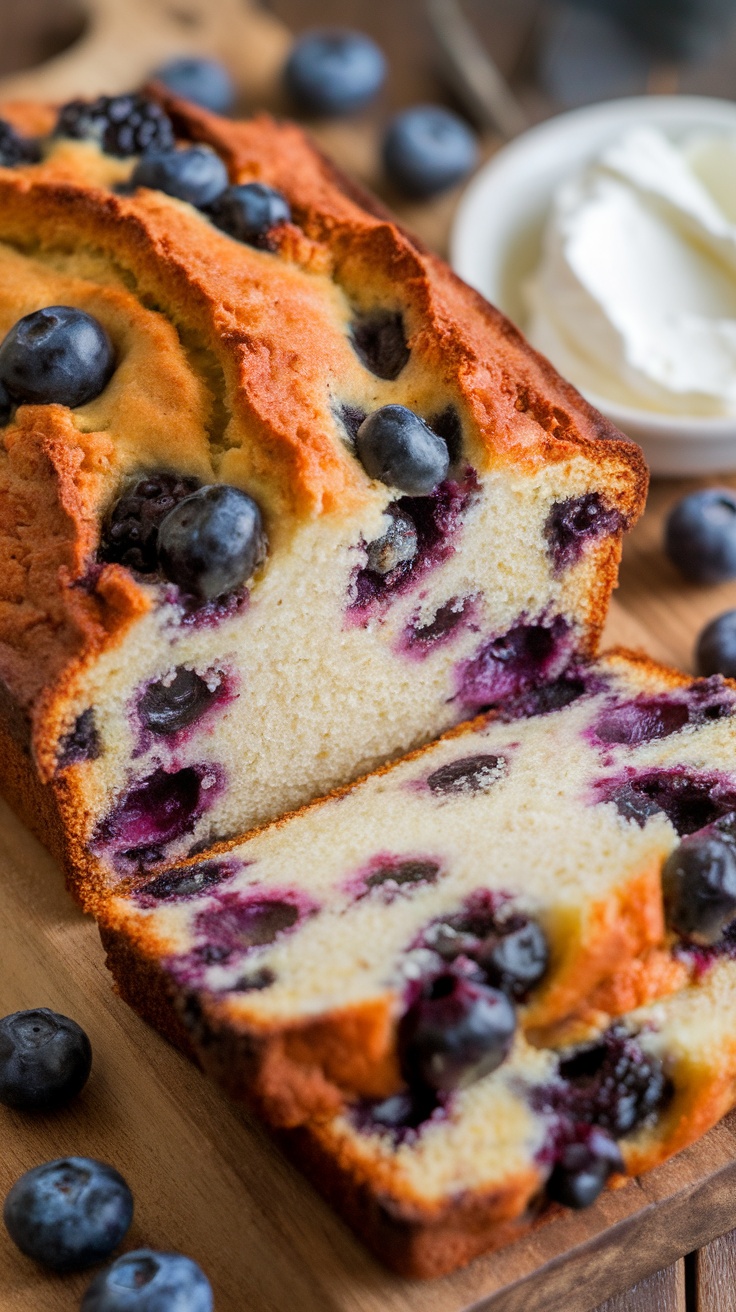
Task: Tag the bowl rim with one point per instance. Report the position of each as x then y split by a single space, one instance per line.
684 111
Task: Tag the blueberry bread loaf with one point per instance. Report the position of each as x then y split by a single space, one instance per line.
510 871
430 1186
281 497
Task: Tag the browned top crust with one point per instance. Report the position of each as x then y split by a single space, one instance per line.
231 362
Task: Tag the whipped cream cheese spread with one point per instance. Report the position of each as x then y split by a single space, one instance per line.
635 295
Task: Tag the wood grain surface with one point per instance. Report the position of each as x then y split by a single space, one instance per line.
207 1180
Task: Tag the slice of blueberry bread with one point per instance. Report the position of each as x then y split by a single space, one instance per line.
430 1185
280 497
514 865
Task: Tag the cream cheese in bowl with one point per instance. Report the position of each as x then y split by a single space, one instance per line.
634 298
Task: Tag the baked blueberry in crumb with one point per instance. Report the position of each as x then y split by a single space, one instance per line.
236 924
572 524
583 1167
81 743
212 541
470 774
15 149
391 874
45 1060
124 125
448 425
689 800
251 212
699 883
255 982
504 948
195 174
157 810
205 82
509 665
515 961
545 698
396 447
185 883
640 721
402 1115
380 342
455 1032
333 71
397 546
145 1281
170 705
58 355
69 1214
130 531
420 639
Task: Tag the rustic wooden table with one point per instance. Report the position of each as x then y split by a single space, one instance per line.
188 1153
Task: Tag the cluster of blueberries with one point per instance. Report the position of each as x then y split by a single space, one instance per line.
336 71
72 1213
700 540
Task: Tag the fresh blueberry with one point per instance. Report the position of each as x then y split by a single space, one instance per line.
58 354
583 1168
700 535
699 886
70 1213
167 707
205 82
456 1032
250 212
15 149
379 341
196 174
334 71
427 149
6 406
517 961
716 649
397 546
395 446
45 1060
144 1281
212 541
130 532
123 125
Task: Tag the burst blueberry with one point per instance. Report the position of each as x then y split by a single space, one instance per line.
251 212
379 341
716 649
700 535
146 1281
397 546
699 886
70 1213
517 961
212 542
395 446
123 125
196 174
56 355
205 82
45 1060
130 532
334 71
455 1033
427 149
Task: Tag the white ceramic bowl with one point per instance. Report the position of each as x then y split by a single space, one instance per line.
496 241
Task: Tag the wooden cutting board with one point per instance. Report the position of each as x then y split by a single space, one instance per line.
206 1179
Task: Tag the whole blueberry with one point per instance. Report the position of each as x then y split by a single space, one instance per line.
212 541
145 1281
58 354
427 149
205 82
250 211
700 535
582 1169
70 1213
45 1060
456 1032
517 961
716 649
699 886
334 71
395 446
170 705
196 174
